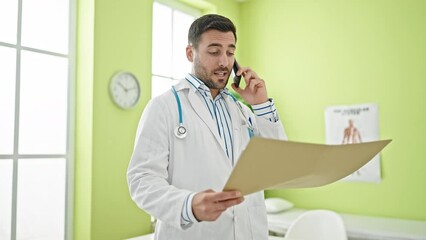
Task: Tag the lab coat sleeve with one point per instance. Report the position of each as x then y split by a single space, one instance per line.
268 129
147 173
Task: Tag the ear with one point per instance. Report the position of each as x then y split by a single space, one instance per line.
189 53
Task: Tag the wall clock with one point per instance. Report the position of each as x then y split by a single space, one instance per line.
125 90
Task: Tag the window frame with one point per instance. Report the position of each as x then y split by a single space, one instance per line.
70 129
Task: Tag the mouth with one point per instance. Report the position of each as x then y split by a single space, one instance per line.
221 74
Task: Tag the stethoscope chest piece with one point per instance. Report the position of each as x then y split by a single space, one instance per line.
180 132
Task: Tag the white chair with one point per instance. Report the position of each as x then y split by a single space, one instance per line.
317 225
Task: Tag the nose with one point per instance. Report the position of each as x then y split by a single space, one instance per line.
223 60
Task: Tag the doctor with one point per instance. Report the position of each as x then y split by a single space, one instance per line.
177 174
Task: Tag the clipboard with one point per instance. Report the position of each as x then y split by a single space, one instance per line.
269 163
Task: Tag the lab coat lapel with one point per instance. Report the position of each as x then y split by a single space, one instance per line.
201 109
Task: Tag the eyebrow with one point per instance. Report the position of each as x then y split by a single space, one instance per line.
220 45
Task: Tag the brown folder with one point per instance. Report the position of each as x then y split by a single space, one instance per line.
268 163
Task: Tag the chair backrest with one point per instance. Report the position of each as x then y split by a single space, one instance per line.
317 225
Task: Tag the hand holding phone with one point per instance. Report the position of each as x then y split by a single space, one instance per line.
237 79
256 93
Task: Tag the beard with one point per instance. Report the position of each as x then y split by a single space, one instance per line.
201 73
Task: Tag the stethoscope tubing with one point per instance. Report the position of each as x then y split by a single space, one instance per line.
179 106
181 132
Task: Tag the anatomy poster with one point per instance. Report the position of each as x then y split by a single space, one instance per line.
355 124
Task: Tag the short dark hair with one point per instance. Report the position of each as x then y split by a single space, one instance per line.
209 22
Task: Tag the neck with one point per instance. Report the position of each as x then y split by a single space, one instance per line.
214 92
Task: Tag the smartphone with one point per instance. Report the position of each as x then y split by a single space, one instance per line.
237 79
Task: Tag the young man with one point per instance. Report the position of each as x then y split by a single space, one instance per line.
177 174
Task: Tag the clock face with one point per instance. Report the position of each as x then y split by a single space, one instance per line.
125 90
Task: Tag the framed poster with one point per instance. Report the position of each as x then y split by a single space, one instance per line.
355 124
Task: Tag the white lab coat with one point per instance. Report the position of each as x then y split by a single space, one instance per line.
164 169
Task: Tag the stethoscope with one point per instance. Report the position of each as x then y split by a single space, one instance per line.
181 132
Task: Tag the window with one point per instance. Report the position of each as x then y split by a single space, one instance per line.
169 40
35 126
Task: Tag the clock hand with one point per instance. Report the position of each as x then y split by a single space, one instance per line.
125 89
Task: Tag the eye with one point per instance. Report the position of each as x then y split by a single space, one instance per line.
214 53
230 54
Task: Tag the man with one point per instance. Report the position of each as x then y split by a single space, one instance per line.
178 177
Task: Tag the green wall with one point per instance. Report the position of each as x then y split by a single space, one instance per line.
317 53
122 42
84 120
